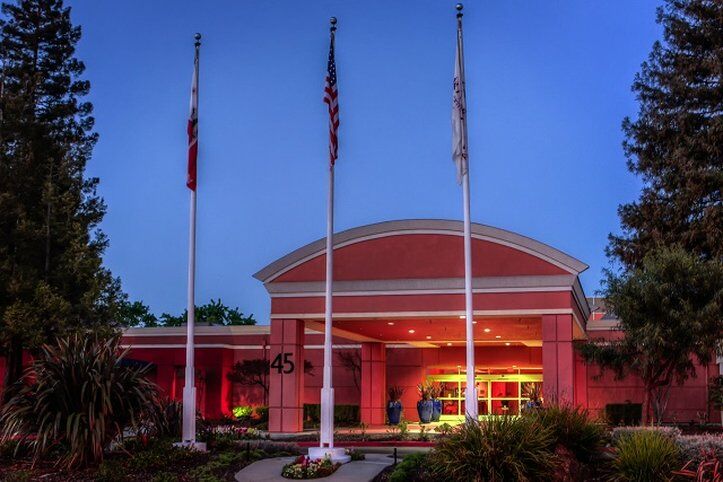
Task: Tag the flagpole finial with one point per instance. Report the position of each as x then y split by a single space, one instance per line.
332 21
198 39
459 8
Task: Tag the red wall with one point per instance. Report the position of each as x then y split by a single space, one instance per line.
405 367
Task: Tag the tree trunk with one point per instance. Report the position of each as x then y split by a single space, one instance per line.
646 405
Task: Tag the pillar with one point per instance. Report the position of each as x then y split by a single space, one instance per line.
373 383
286 382
558 359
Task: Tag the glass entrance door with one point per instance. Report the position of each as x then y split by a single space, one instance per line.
497 394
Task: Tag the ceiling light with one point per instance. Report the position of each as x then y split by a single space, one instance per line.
411 331
390 323
449 343
487 330
474 322
462 317
429 337
514 366
507 343
498 336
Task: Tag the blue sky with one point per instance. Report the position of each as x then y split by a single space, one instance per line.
548 86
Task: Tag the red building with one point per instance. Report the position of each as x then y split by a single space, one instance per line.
399 302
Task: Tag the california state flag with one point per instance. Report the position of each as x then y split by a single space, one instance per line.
193 130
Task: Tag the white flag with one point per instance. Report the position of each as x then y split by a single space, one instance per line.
459 113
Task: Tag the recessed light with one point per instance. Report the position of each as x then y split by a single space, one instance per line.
429 337
390 323
487 330
507 343
462 317
449 343
498 336
411 331
474 322
514 366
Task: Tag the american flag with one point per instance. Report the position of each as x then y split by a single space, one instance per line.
331 98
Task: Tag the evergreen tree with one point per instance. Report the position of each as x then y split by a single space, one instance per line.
676 142
51 274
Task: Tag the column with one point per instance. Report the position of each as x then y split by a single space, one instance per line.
558 359
286 383
373 383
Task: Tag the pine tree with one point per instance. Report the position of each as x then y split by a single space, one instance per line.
51 274
676 142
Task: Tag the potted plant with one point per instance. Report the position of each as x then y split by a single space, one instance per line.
425 404
435 391
394 406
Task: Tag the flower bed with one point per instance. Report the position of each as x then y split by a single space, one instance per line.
305 468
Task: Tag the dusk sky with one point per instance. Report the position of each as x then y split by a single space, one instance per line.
548 84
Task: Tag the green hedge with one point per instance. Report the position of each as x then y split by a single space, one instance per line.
343 414
624 413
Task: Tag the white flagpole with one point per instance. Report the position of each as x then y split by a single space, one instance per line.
327 392
189 389
470 401
326 435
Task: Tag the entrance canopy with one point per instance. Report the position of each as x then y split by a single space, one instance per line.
403 282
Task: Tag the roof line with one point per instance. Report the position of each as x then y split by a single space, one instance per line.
443 226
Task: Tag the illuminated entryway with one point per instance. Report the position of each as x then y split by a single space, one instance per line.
500 392
400 285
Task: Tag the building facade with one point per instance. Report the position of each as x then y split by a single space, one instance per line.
399 318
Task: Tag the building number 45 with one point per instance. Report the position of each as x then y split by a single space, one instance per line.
285 366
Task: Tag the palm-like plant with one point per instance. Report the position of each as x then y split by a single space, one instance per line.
77 397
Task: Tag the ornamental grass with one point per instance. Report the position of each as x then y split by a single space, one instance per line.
645 456
76 398
573 428
496 449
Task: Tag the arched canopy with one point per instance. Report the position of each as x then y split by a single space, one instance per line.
523 245
414 268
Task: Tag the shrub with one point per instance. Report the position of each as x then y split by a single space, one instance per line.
164 418
242 412
344 415
496 449
79 396
305 468
355 454
645 456
670 432
162 455
412 468
706 467
444 429
572 428
692 447
261 413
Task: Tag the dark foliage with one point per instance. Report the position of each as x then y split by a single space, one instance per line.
76 398
572 428
676 142
495 450
51 274
671 313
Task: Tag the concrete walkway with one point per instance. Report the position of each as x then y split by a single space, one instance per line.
269 470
